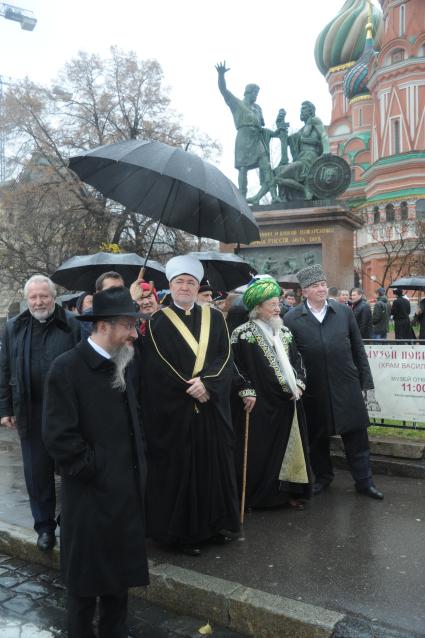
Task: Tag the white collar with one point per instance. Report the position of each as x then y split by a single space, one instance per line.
98 348
185 309
319 314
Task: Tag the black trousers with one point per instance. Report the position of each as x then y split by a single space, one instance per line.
39 475
356 446
112 616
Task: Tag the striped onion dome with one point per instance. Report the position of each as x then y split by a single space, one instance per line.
343 40
355 80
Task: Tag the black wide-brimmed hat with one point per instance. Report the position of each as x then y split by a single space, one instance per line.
112 302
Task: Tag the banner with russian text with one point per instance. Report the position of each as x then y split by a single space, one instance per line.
399 375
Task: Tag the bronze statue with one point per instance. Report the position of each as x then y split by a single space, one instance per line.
313 172
252 138
307 145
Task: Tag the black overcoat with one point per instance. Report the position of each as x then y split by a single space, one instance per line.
62 333
400 311
336 365
363 315
93 433
191 490
270 421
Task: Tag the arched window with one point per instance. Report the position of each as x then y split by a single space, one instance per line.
376 215
397 56
420 209
404 211
360 117
389 213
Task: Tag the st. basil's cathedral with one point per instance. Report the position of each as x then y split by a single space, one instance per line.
373 59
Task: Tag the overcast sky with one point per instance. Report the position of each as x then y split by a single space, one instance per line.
267 42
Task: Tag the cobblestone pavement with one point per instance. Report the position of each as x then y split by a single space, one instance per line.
32 605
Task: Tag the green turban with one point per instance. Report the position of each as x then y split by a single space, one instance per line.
261 290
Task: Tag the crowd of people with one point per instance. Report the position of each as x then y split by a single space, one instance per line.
158 420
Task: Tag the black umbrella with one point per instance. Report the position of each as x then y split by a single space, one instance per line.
80 272
409 283
224 271
168 184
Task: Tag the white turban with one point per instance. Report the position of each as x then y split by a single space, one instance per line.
184 265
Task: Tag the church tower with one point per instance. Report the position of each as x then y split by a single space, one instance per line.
378 123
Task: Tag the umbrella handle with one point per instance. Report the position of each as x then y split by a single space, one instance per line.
159 222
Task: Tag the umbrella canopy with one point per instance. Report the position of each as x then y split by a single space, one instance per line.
80 272
168 184
409 283
224 271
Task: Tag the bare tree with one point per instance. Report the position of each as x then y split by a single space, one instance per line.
94 101
400 247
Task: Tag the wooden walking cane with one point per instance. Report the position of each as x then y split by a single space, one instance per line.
245 466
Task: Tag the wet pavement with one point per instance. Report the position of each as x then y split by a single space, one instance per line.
345 552
32 605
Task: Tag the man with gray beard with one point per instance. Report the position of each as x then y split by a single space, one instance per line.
32 340
92 429
270 383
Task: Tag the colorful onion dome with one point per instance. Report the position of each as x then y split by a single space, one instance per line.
342 41
355 80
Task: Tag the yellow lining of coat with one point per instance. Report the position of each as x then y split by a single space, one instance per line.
198 349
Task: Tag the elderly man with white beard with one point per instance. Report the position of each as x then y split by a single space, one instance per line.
92 429
270 383
32 340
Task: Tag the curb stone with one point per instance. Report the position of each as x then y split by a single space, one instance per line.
185 591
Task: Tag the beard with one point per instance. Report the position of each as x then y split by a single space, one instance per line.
275 323
41 315
121 359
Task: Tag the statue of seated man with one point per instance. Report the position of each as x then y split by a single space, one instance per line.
306 145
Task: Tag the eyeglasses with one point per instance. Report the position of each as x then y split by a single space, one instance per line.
128 325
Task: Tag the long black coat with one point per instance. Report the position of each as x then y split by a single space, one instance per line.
271 419
93 433
61 334
191 490
337 368
363 315
400 311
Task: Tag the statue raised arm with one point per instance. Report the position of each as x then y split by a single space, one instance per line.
251 144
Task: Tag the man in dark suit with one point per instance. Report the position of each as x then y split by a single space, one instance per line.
328 338
92 429
32 340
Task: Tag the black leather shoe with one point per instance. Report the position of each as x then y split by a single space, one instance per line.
318 488
46 541
220 539
371 491
190 550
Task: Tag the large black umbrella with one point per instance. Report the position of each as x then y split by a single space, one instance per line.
80 272
168 184
225 271
409 283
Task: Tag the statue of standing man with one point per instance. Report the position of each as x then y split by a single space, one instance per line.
252 138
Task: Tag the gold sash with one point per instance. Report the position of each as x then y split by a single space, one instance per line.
198 349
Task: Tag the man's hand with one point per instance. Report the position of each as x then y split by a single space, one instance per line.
221 68
299 395
249 403
197 390
8 421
